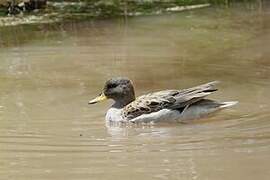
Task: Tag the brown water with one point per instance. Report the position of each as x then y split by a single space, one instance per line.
48 74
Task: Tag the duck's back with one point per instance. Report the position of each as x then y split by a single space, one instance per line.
167 99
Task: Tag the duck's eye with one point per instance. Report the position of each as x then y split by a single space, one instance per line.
111 86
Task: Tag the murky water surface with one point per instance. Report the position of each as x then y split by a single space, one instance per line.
49 72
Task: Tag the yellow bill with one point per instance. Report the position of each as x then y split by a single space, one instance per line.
101 97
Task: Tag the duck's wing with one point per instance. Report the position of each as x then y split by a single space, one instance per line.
169 99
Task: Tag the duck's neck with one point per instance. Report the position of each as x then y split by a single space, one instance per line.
122 102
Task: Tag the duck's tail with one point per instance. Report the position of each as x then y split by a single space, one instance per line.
228 104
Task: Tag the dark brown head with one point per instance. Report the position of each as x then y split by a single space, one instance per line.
119 89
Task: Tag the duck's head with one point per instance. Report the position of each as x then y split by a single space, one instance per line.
119 89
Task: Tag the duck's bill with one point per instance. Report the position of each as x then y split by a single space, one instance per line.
101 97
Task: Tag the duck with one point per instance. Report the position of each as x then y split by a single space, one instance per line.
161 106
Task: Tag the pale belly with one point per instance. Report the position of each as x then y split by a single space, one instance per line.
165 115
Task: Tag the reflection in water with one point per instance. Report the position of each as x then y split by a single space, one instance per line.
48 73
